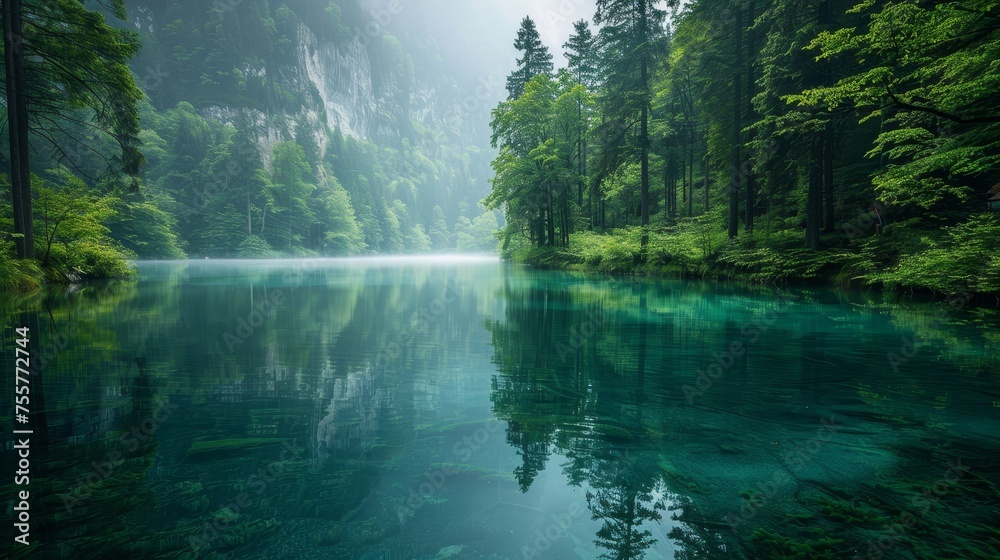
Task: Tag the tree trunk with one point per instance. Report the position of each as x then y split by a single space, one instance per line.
597 203
666 185
751 202
704 171
735 175
673 183
644 194
828 200
565 218
552 219
691 167
684 175
17 125
644 140
594 205
814 196
581 163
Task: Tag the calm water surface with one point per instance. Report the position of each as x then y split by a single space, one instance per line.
435 408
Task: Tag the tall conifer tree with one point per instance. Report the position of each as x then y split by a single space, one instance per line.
536 58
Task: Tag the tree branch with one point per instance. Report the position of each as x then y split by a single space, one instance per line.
939 113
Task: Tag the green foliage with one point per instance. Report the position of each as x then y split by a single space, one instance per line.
581 54
145 230
419 241
538 135
73 240
218 83
779 258
888 105
17 275
959 259
289 211
937 74
334 27
255 247
535 58
478 235
607 253
341 236
773 545
78 67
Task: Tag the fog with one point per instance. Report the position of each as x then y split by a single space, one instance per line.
476 38
554 19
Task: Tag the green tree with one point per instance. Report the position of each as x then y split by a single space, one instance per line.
340 232
73 236
291 192
440 237
65 63
581 54
582 57
477 235
930 79
520 127
143 228
535 58
632 36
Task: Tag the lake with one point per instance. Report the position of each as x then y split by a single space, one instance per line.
461 407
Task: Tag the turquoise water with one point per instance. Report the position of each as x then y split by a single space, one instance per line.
454 407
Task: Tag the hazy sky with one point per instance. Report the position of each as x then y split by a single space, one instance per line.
554 19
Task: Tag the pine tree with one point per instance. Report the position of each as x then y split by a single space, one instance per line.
632 36
581 54
536 58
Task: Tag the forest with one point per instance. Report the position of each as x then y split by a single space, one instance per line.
771 141
522 279
194 129
768 140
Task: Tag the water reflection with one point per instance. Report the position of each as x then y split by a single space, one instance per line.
727 408
387 408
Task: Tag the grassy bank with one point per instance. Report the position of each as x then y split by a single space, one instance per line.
80 261
954 260
20 277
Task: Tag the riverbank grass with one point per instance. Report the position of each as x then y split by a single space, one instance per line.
950 260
